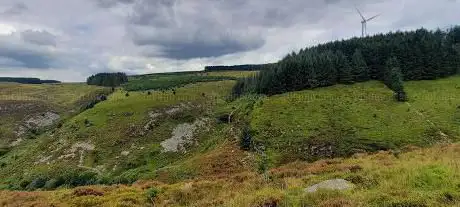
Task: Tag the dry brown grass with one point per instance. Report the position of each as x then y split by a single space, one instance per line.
285 187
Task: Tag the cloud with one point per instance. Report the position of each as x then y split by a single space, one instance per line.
112 3
17 52
50 38
179 29
16 9
39 37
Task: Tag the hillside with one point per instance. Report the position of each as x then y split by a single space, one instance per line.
421 177
179 147
343 120
28 108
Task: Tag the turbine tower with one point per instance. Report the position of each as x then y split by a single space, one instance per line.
364 22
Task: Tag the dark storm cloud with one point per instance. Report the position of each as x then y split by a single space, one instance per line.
15 52
212 28
16 9
24 55
38 37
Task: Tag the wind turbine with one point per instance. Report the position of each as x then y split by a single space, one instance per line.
364 22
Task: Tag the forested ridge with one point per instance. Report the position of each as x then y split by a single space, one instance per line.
26 80
247 67
391 57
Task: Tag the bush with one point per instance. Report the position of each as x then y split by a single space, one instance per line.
152 193
53 183
38 182
246 139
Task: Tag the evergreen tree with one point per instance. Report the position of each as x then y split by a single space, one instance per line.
423 54
107 79
359 67
394 78
344 68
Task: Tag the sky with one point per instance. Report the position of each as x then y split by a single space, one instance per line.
72 39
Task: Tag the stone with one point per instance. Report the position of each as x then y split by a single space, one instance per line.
335 184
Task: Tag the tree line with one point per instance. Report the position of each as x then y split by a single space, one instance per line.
391 58
27 80
247 67
107 79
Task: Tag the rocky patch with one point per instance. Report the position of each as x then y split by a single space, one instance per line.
182 135
335 184
42 120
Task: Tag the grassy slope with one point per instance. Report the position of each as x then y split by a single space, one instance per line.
114 127
168 81
350 118
32 99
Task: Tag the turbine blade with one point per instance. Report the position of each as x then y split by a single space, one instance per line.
372 17
359 12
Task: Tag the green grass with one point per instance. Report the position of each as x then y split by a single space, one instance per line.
166 81
169 82
20 100
342 120
308 125
115 127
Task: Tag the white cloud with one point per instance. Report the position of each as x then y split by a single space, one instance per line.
99 35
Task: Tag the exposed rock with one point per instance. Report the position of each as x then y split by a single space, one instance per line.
182 135
42 120
44 160
83 146
173 110
21 130
125 153
71 155
154 115
335 184
16 142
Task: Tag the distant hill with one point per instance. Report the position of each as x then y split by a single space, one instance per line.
249 67
27 80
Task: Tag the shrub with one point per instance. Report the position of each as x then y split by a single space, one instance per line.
53 183
246 139
24 183
37 183
152 193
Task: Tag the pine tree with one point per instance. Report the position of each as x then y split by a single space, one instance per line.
343 68
359 67
394 78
